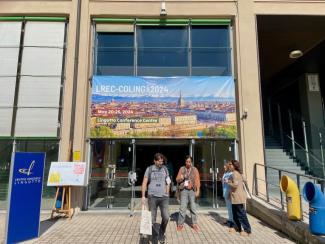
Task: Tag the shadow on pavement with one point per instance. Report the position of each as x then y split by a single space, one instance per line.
173 217
47 224
218 218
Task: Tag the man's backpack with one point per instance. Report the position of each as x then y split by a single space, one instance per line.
150 171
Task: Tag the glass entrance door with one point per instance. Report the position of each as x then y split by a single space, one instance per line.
209 158
110 182
118 166
204 161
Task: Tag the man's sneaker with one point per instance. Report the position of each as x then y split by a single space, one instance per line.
162 239
180 227
196 227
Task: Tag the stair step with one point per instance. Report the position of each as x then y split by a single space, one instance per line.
273 147
287 169
274 150
276 157
279 159
270 171
282 163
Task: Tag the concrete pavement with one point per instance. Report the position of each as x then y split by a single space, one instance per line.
120 228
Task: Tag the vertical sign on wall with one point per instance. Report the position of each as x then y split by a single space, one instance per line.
25 195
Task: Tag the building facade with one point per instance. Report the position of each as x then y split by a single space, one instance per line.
51 50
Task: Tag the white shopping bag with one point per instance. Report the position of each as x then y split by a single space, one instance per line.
146 223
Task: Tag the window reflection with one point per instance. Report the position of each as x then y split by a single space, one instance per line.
165 51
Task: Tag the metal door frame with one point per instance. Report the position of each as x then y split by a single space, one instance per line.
112 144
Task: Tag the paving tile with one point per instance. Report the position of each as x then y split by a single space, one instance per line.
92 227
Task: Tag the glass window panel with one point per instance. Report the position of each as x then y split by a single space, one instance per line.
115 39
153 36
8 65
37 122
5 121
39 91
7 91
5 159
115 61
51 148
162 51
210 36
10 34
42 61
211 53
163 71
50 34
115 54
163 62
211 61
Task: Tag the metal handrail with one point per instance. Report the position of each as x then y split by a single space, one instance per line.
290 172
292 121
310 153
320 181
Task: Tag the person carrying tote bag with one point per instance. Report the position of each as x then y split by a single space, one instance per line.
146 222
156 179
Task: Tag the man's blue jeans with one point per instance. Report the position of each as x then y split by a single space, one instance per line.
187 196
163 204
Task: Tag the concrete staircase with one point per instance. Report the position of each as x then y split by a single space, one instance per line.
277 158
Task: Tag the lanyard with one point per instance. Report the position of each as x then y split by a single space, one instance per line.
188 172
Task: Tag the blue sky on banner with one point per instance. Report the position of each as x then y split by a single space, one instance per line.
137 86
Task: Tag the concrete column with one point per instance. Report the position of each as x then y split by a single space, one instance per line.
248 91
311 109
82 94
311 101
68 85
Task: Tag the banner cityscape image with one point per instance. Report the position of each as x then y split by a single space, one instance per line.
163 107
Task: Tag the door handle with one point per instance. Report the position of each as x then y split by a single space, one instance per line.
132 177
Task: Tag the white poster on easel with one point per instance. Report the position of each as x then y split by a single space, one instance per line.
67 174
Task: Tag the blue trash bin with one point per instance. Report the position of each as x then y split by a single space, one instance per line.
58 202
313 194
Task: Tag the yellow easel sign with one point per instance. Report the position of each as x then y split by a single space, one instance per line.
67 174
54 177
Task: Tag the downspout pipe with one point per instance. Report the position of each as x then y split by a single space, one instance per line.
75 80
290 188
313 194
74 96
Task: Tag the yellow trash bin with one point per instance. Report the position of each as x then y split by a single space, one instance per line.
290 188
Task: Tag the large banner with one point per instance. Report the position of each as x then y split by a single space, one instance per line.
163 107
25 195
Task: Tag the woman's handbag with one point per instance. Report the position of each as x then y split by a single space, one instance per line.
146 222
246 190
